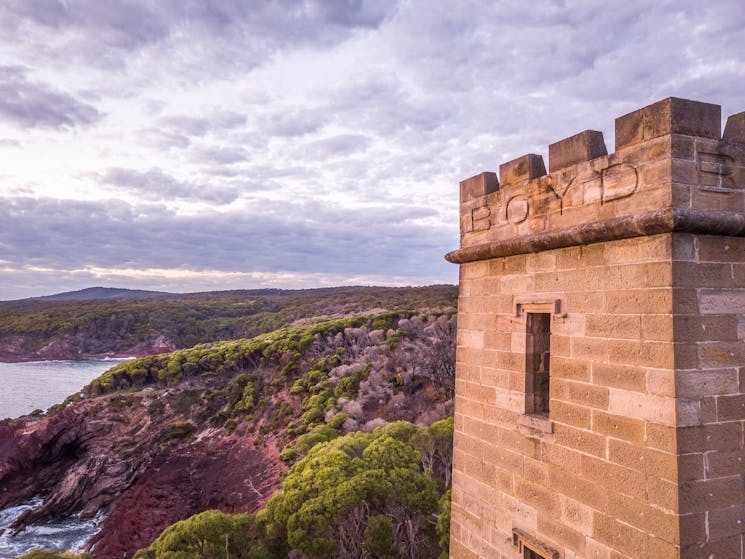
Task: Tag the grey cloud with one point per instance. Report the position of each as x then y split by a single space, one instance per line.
186 126
124 25
291 19
224 155
35 104
163 139
277 237
370 13
179 131
288 122
191 39
7 143
335 146
226 120
154 184
190 126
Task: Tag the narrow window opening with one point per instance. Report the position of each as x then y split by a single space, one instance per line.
537 363
530 548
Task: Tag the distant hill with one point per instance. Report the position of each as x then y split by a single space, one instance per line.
99 321
92 293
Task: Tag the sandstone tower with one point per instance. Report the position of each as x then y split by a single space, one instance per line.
600 392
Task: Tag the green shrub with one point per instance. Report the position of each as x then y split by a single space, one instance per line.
380 537
180 430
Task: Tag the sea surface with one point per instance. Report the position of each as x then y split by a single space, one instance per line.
59 535
25 388
41 384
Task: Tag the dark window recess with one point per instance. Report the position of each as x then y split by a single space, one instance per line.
537 363
530 547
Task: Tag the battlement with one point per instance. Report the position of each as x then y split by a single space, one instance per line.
673 170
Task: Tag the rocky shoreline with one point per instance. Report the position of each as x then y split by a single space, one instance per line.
10 353
110 453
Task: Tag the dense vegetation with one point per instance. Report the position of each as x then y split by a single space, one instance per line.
358 406
310 381
45 554
97 327
380 494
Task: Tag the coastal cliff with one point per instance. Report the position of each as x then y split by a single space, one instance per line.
158 439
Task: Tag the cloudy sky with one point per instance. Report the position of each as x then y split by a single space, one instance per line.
189 145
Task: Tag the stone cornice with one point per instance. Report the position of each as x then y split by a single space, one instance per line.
668 220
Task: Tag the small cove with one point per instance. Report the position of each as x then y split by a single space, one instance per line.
41 384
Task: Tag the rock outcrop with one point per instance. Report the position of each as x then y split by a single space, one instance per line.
135 457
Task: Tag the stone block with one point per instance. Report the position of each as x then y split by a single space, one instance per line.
721 354
662 494
705 328
697 383
638 514
734 130
657 327
640 301
576 514
577 439
713 549
538 496
655 248
619 376
661 382
725 463
580 393
628 540
652 462
691 467
682 147
706 495
618 427
716 301
614 326
702 438
584 146
616 479
570 414
565 482
658 547
569 369
561 534
693 528
523 168
669 116
720 249
478 185
698 275
731 408
641 406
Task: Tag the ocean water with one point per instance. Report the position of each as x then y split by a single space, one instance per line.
59 535
40 384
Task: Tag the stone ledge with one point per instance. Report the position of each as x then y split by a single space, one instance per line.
537 424
668 220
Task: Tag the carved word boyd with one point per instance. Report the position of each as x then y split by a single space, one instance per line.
584 175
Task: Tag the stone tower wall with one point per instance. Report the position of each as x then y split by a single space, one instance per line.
639 260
